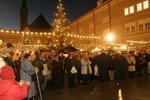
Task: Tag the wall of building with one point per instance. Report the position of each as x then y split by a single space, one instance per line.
111 15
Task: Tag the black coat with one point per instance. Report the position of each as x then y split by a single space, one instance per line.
69 63
121 64
57 70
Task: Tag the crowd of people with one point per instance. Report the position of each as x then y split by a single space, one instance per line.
20 73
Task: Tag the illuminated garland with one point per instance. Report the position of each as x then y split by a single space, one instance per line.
140 42
48 34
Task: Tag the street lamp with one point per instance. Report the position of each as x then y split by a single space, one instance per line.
110 37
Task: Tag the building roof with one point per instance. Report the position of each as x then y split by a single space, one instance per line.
40 24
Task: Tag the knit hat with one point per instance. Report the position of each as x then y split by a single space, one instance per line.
6 72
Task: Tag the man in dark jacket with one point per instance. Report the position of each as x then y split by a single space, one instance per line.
69 64
57 72
102 62
121 66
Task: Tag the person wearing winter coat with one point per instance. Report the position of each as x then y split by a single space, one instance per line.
86 69
58 73
131 67
26 71
9 88
71 71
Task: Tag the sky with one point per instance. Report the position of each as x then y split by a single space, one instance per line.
10 10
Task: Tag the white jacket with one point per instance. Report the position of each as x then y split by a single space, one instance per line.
85 65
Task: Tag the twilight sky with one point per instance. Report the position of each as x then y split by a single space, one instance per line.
10 10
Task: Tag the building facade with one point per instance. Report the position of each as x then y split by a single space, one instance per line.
128 20
38 27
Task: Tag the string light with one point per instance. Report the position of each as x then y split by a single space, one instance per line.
53 33
2 30
7 31
36 33
12 31
49 33
45 33
27 32
17 32
22 32
41 33
141 42
32 33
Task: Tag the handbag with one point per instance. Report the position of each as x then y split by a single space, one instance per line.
73 70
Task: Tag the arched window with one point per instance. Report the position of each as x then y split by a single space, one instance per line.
149 25
127 30
146 26
141 27
133 29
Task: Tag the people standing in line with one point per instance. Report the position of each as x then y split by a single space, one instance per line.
27 71
9 88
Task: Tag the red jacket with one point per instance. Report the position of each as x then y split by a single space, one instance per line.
7 73
11 90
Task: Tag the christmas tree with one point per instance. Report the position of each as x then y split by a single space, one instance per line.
60 25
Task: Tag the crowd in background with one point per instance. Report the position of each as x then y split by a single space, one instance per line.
55 69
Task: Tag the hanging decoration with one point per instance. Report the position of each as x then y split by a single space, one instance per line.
70 34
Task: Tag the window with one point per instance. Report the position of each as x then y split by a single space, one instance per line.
148 25
139 6
146 4
131 9
126 11
133 29
141 27
127 30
